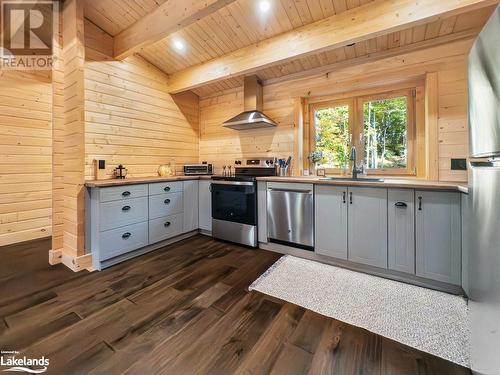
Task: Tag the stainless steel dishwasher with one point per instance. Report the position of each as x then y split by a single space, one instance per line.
290 214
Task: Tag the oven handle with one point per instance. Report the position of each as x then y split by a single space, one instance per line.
240 183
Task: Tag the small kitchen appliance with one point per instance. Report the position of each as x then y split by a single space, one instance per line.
198 169
120 172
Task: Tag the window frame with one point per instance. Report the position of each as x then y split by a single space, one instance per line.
350 102
356 126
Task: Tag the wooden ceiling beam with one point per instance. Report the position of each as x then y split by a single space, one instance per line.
168 18
368 21
469 34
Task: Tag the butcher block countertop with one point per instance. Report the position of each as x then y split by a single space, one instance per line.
140 180
387 183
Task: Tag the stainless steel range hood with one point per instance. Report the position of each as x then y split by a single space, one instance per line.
252 117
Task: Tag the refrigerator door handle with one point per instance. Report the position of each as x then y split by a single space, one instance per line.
484 162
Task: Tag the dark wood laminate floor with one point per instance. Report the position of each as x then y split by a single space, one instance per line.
183 309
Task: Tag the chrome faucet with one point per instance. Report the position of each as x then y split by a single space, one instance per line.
355 169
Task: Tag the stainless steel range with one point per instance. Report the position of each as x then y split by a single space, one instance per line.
234 200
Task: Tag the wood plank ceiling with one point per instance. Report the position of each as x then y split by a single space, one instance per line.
241 24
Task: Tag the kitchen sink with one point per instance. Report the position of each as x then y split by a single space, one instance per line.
362 179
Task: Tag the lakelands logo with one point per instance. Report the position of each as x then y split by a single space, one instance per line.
28 28
23 364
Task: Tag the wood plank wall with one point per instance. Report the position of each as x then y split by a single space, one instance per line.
74 130
130 118
25 156
452 121
222 146
57 149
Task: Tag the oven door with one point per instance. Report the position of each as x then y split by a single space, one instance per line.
234 201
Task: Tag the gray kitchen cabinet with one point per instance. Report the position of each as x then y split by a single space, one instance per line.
205 206
401 229
438 236
367 226
125 221
191 209
330 206
262 211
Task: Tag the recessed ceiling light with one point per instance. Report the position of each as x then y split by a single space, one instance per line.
264 6
178 45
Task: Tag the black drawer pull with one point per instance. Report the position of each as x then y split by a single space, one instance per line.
126 235
126 208
126 193
420 203
166 201
401 204
343 197
350 197
167 188
167 224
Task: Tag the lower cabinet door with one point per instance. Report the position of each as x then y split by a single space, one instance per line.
367 211
190 197
205 205
438 236
401 230
330 221
164 228
115 242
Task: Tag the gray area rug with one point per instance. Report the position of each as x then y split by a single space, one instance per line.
428 320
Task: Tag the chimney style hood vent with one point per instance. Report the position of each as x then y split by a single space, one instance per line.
252 117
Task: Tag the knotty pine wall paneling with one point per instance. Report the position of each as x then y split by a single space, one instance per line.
130 118
25 156
74 132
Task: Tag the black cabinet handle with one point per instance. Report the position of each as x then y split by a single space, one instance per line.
343 197
167 224
167 188
126 235
166 201
126 193
350 197
126 208
401 204
420 203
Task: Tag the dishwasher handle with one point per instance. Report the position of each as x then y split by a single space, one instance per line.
299 191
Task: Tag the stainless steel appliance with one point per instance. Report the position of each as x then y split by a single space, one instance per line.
198 169
252 117
482 229
290 210
234 201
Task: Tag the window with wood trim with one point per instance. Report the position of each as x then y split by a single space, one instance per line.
380 126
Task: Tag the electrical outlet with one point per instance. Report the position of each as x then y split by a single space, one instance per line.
458 164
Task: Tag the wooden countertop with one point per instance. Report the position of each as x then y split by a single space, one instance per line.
140 180
387 183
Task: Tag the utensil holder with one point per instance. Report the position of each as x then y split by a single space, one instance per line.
283 171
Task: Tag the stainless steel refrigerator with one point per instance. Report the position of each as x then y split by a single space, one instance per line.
483 207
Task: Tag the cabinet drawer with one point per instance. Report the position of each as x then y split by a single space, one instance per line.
119 241
123 192
165 227
165 205
117 214
165 187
